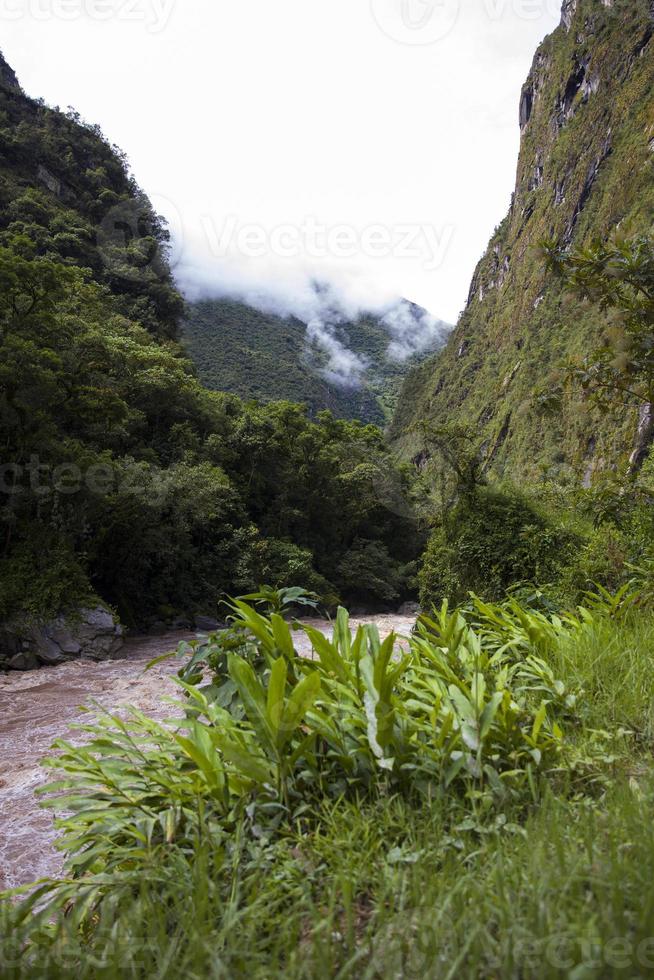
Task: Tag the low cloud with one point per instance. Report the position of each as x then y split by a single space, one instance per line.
344 367
413 331
286 288
326 299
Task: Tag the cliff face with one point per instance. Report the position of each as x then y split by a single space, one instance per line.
586 167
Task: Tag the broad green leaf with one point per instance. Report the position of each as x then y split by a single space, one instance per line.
342 635
204 756
541 715
276 695
464 706
470 736
328 654
478 691
252 766
488 714
282 635
254 701
301 699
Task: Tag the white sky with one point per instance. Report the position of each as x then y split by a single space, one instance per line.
397 114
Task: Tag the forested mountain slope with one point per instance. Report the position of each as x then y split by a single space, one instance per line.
122 479
63 186
261 356
585 171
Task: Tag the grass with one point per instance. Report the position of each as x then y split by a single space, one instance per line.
613 665
379 885
383 891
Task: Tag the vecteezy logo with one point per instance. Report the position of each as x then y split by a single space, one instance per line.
407 946
134 241
416 21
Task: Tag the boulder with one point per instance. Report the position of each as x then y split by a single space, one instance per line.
181 624
206 624
61 635
100 635
47 651
10 644
23 661
90 633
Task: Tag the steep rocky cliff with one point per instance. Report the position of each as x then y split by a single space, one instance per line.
8 75
585 170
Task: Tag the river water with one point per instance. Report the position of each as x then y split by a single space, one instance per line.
39 706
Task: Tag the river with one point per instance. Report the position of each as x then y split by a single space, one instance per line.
39 706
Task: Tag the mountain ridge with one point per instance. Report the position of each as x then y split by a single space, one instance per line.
123 481
351 366
585 169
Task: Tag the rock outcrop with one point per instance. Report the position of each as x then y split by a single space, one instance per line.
585 171
644 437
92 634
8 75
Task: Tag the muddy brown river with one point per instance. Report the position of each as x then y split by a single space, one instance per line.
39 706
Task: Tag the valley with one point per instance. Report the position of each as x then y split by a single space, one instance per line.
410 566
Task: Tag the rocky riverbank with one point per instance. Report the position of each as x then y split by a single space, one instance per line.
94 634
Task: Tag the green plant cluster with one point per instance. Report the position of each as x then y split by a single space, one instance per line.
310 816
491 541
449 709
551 542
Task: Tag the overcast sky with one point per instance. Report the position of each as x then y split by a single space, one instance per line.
369 142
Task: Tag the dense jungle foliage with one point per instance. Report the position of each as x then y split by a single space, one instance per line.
122 477
259 355
488 536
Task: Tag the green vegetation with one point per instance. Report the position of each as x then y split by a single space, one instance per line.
618 276
548 540
471 800
585 167
261 356
490 541
120 475
476 805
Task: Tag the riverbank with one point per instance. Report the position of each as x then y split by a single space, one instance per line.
38 706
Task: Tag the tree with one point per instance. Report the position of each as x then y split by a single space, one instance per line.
461 471
618 275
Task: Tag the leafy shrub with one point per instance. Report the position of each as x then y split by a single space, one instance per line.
488 542
369 574
41 578
455 707
600 559
277 562
183 519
